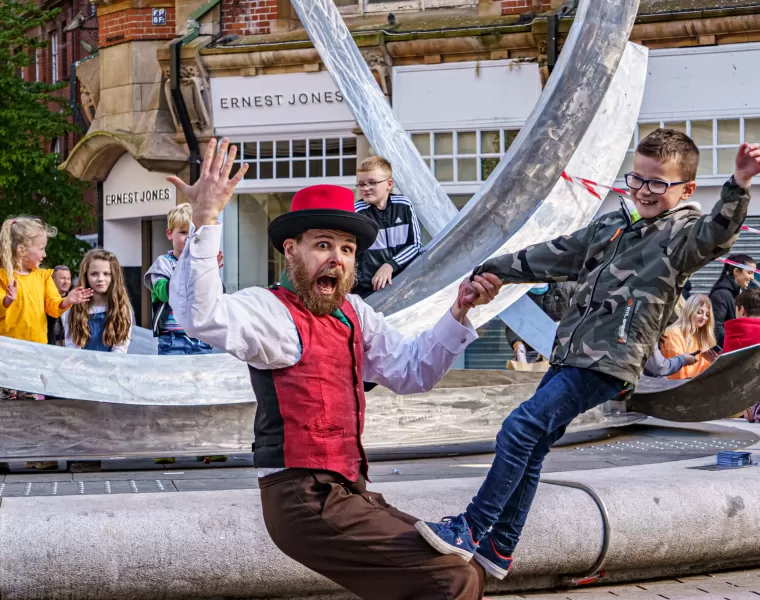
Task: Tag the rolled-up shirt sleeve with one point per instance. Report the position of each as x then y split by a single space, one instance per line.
252 324
409 365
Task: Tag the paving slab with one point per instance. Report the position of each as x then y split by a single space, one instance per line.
202 485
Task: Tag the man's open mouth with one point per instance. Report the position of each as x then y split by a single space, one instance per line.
327 284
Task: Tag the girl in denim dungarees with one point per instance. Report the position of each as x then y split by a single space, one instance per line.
106 324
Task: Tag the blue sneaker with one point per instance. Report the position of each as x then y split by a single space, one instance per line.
451 536
492 562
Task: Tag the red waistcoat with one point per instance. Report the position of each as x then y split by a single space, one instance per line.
311 415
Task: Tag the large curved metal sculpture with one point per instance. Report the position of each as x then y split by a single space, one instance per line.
566 209
522 180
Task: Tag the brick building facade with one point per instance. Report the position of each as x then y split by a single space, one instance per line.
52 64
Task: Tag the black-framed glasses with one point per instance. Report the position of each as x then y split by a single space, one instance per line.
371 184
655 186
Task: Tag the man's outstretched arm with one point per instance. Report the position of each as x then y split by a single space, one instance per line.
412 364
252 324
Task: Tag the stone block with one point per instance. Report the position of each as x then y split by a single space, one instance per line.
115 67
118 100
151 95
144 61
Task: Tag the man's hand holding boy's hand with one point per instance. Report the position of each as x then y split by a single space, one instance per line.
481 290
747 164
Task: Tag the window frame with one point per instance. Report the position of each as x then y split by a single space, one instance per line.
274 184
715 177
456 185
54 57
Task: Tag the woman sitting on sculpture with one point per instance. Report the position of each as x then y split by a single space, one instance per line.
693 333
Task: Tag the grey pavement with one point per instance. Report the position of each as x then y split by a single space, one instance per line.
648 443
733 585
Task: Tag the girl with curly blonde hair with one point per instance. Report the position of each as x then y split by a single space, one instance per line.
106 324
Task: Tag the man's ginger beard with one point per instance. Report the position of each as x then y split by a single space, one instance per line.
304 286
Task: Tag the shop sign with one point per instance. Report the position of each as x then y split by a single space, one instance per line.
132 191
278 102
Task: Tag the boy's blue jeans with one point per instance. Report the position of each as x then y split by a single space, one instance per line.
526 437
181 343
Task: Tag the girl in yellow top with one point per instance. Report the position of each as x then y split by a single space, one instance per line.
694 331
28 293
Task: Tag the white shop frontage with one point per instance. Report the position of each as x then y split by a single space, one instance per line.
135 204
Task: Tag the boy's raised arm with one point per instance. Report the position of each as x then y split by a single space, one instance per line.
561 259
714 234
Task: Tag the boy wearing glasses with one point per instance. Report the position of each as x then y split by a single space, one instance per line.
398 238
630 266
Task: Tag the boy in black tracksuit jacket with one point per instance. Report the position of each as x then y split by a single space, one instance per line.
398 238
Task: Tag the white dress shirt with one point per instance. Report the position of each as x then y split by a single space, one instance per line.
254 326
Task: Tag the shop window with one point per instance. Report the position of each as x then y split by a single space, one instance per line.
463 156
299 158
717 139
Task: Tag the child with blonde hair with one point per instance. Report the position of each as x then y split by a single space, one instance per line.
106 324
693 332
28 293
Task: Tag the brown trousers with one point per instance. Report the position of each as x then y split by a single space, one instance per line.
355 538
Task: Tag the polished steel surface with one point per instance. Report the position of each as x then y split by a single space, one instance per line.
451 413
727 388
567 208
521 181
370 108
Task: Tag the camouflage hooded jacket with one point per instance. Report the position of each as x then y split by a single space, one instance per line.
630 272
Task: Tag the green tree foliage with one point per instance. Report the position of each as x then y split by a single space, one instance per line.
32 115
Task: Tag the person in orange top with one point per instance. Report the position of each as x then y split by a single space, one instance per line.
693 332
27 293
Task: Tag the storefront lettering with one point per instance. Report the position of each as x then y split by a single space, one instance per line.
139 196
271 100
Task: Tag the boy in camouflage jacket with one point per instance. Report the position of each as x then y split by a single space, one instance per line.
630 266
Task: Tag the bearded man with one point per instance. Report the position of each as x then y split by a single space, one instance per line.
310 346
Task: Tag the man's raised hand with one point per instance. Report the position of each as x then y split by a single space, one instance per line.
210 194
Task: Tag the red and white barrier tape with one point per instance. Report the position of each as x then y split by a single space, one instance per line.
591 187
738 265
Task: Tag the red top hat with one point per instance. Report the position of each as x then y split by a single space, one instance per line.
323 207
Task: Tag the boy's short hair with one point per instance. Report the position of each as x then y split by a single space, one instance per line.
61 268
671 145
180 216
376 162
749 300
